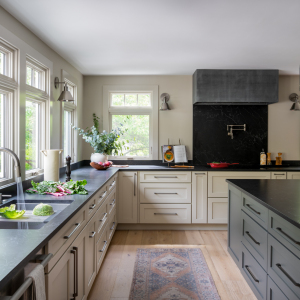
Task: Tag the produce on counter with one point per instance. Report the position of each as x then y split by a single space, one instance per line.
57 188
10 212
105 164
43 210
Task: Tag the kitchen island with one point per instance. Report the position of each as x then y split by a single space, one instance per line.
264 235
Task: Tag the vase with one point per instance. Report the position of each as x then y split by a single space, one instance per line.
51 164
99 157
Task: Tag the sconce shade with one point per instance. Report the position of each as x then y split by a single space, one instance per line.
165 97
164 106
65 95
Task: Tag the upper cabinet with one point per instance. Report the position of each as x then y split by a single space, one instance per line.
259 87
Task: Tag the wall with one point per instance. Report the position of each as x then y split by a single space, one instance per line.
19 31
283 124
173 124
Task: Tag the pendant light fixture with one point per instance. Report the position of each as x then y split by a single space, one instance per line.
65 95
165 97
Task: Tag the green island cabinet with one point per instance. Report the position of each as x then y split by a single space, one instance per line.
264 246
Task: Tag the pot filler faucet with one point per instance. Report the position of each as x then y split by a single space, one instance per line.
230 129
17 167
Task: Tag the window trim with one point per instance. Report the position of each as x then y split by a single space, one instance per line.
152 110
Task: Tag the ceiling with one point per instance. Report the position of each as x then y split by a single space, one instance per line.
122 37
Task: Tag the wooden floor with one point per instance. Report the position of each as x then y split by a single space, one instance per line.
113 281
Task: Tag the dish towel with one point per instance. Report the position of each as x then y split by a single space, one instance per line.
38 284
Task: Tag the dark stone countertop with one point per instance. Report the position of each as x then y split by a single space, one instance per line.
280 196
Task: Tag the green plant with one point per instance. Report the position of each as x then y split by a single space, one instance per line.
103 142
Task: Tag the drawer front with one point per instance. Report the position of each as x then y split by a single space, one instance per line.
284 267
101 196
285 232
218 187
293 175
165 193
91 206
111 202
278 175
255 238
101 248
254 274
217 211
112 225
161 176
111 184
101 219
255 210
274 292
165 213
63 239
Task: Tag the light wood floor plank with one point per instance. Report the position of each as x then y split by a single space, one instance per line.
164 238
179 238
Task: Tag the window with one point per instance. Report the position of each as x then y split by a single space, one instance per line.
7 58
35 74
136 110
2 63
69 136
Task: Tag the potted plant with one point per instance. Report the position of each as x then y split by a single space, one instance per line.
104 143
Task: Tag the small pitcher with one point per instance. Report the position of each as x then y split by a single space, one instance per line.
51 164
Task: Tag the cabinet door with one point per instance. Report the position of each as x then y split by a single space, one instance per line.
128 200
278 175
90 255
234 224
60 282
199 197
217 210
293 175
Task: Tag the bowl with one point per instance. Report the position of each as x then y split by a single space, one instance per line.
98 167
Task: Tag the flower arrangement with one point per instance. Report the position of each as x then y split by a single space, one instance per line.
103 142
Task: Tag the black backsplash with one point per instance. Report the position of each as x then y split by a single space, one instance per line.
212 143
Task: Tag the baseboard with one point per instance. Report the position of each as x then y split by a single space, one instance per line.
172 227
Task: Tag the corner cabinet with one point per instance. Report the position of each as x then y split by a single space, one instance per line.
199 197
128 199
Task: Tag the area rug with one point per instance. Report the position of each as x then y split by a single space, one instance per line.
172 274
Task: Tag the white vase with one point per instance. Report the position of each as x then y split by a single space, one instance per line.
99 157
51 164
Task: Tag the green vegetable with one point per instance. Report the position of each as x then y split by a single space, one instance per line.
10 212
43 210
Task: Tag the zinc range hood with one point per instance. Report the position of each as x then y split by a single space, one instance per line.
235 87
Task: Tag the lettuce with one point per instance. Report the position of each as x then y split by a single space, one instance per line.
10 212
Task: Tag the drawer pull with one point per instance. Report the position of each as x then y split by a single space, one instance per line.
103 195
257 212
294 241
200 174
287 275
68 236
93 206
93 234
113 202
279 174
103 249
113 183
114 223
165 177
252 238
173 214
166 193
104 217
252 275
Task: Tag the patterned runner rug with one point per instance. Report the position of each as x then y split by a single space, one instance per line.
172 274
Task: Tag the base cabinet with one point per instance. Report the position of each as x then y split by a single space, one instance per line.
199 197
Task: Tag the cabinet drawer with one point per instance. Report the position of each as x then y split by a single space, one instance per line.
111 184
218 187
91 206
111 202
254 274
165 213
293 175
112 225
165 193
278 175
284 268
101 196
64 238
274 292
255 210
285 232
101 220
101 248
179 176
217 210
255 238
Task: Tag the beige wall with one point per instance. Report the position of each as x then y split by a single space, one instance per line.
284 124
18 31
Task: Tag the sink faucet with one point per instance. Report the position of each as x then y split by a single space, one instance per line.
16 159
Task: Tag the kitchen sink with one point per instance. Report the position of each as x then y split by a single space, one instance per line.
28 220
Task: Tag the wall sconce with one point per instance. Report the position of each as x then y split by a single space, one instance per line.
65 95
295 98
165 97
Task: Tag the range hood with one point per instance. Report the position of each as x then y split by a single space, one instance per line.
244 87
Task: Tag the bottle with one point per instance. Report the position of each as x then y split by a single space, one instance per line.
269 161
263 158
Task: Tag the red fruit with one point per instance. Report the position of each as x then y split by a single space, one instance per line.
107 164
100 163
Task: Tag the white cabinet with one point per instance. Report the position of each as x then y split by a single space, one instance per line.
165 176
217 212
128 200
278 175
293 175
199 197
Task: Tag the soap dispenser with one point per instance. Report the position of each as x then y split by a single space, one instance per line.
263 158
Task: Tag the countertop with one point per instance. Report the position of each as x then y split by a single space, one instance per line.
280 196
